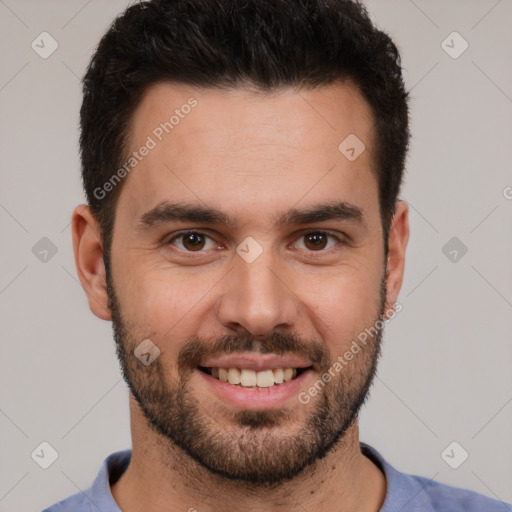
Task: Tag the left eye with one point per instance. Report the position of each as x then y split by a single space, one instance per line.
317 240
195 241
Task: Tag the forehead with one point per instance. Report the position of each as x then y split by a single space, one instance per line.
244 149
241 112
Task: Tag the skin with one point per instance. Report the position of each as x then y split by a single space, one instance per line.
244 153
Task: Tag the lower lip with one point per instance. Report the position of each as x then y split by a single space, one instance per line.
254 399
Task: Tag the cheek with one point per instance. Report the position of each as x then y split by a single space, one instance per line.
344 304
161 303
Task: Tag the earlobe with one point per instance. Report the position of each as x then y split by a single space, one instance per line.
397 245
88 252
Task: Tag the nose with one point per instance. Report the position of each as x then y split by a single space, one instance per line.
256 298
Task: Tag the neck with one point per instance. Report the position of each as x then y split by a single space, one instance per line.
345 480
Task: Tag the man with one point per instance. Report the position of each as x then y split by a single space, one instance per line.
269 136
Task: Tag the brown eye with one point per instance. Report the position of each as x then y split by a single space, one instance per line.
190 241
193 241
316 241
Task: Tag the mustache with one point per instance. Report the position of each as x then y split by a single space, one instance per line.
197 349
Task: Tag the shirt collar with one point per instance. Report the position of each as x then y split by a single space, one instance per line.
400 488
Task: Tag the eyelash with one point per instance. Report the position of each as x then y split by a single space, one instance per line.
181 234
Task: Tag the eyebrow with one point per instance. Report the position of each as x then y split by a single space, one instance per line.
168 212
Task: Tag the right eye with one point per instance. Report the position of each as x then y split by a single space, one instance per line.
190 241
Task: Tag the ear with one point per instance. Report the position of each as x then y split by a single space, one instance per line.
397 244
88 250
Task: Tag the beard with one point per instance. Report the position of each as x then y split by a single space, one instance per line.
259 447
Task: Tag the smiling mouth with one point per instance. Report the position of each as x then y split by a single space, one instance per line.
247 378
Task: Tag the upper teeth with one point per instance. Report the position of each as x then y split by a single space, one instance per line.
251 378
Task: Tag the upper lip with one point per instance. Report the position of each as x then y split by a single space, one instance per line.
256 362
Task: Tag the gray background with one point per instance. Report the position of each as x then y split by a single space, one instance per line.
445 374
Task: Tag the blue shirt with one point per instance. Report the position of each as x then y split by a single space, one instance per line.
405 493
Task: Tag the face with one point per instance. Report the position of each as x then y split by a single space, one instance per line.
246 243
